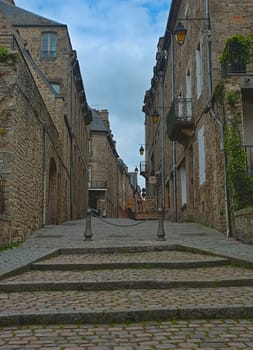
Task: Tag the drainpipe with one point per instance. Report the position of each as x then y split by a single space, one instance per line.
70 161
44 175
209 50
210 92
228 224
174 144
69 127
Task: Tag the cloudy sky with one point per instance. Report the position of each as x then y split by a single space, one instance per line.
116 43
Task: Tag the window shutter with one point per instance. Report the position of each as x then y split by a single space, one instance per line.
202 159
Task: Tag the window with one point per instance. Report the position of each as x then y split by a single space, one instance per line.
56 87
199 72
202 160
48 44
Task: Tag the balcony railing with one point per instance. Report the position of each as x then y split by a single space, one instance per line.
233 68
180 123
249 153
9 42
97 185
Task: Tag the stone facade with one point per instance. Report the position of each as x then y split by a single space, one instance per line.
185 148
43 132
109 185
244 225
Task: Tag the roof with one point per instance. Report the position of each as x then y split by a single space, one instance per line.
97 123
16 16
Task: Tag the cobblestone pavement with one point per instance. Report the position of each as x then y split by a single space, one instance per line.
188 334
126 290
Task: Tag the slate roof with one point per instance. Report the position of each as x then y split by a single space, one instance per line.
16 16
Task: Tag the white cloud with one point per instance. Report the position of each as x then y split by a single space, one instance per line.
116 45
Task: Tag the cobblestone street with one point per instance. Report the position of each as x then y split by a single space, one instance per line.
124 289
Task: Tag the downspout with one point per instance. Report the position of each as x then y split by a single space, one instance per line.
69 127
70 161
163 156
44 175
210 92
228 224
209 50
174 145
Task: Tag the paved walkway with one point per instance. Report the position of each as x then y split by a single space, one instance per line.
195 301
121 233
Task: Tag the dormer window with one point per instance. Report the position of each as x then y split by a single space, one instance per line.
48 45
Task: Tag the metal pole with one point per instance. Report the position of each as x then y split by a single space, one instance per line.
88 231
174 145
161 232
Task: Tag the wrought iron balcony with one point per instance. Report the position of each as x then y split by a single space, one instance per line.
228 68
180 123
249 153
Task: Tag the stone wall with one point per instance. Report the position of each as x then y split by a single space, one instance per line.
243 225
29 141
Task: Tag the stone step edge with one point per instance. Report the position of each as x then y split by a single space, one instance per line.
121 316
15 287
130 265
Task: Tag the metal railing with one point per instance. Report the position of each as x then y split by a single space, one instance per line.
9 42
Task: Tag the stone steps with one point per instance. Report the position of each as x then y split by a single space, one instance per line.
119 285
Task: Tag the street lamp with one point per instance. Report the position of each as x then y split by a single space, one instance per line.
141 150
180 33
155 116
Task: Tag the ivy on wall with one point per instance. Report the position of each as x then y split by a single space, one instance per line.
240 185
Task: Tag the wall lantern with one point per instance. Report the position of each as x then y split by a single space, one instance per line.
180 33
141 150
136 170
155 116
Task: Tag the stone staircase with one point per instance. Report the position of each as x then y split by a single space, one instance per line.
126 284
147 210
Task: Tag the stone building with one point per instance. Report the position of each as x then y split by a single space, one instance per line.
109 185
197 99
44 119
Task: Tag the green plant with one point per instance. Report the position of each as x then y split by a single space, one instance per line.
239 184
11 246
3 51
219 93
232 97
238 49
3 131
5 54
